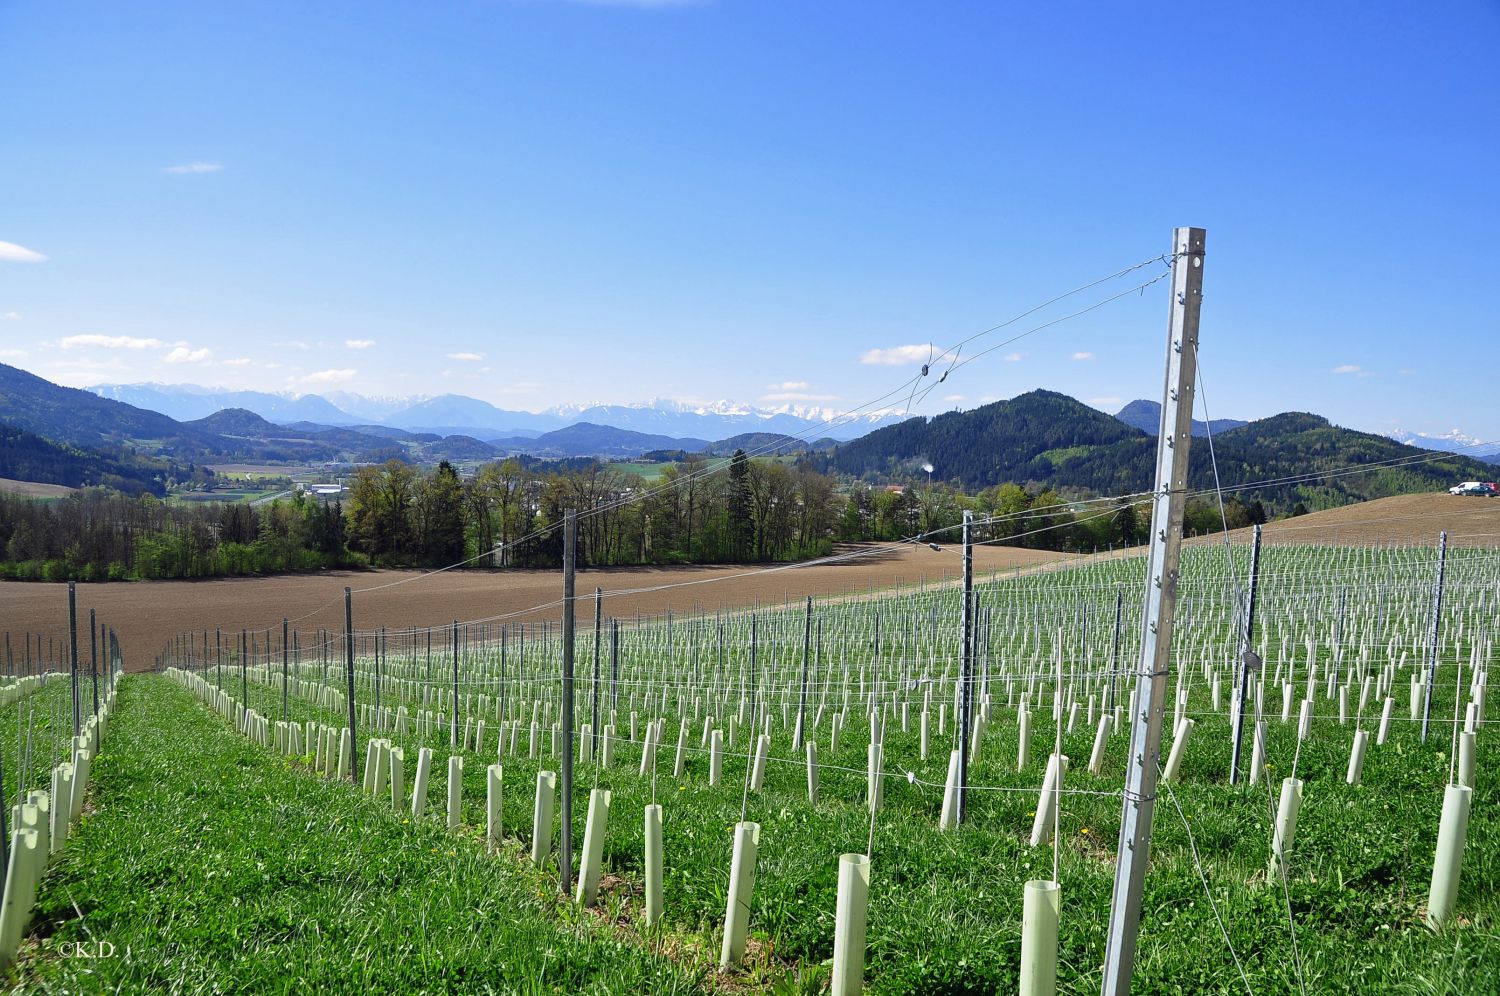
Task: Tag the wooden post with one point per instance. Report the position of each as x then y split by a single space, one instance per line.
1168 505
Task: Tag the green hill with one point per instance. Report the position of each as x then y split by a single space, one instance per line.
1048 440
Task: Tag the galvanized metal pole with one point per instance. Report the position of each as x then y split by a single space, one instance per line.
93 660
453 726
1437 620
570 567
598 624
1246 658
1114 653
1168 505
73 653
349 678
801 730
966 670
286 681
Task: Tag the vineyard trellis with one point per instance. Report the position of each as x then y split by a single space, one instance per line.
882 675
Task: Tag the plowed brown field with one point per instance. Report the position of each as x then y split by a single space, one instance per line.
146 614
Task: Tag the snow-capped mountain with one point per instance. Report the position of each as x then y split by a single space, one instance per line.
450 414
1452 441
720 419
374 408
187 402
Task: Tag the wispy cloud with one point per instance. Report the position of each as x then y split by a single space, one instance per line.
1083 356
359 343
788 385
11 316
12 253
330 376
798 396
238 361
186 354
196 167
466 357
1014 357
293 344
897 356
1102 402
1347 368
110 342
953 397
12 354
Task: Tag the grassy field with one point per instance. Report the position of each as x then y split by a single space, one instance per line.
213 866
945 907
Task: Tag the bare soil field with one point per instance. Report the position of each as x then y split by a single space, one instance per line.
1400 520
30 490
147 613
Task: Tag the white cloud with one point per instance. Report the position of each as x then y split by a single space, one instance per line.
11 316
359 343
798 396
186 354
1101 402
238 361
293 344
466 357
12 253
12 354
1083 356
330 376
1347 368
788 385
899 355
953 397
194 168
110 342
1013 357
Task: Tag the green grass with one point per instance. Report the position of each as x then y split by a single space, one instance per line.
36 733
945 907
214 866
1062 455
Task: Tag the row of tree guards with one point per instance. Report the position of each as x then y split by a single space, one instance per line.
40 745
1342 628
1347 657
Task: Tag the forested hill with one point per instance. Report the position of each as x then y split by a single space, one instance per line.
25 456
1023 439
1046 439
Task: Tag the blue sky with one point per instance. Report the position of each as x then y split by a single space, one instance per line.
540 201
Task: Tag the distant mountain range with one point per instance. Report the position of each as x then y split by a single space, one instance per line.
54 434
1050 440
1451 442
455 414
1146 416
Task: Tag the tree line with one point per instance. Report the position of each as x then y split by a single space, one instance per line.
700 511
